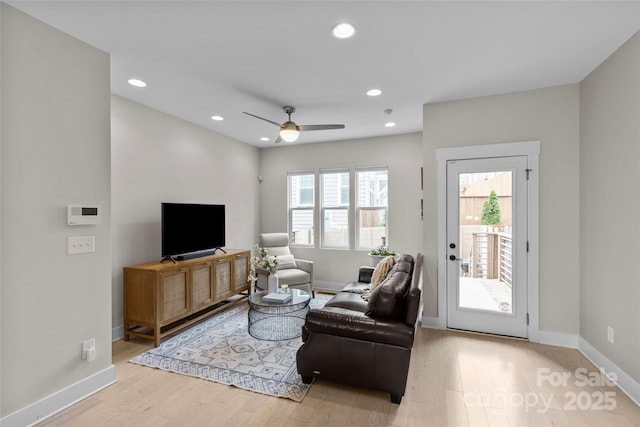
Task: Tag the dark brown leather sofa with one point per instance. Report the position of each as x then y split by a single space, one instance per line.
366 343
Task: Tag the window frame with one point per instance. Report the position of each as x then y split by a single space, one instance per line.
301 208
340 206
358 209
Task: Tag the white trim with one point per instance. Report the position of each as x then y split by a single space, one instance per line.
628 385
507 149
432 322
62 399
442 238
559 339
533 231
531 149
117 333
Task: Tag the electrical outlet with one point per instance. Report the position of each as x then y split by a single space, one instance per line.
88 350
610 334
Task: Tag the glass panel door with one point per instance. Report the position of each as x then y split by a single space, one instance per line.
486 238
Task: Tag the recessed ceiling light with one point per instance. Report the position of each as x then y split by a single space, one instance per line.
390 124
217 118
374 92
137 83
264 138
343 31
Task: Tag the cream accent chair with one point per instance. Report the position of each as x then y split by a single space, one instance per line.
297 273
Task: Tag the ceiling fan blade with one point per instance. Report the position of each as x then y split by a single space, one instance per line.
262 118
319 127
278 140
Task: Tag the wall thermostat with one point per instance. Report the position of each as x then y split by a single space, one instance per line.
83 214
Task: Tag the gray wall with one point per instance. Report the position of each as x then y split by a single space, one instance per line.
551 116
402 154
159 158
609 206
55 151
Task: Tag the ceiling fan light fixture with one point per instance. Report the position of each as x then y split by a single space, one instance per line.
289 134
343 31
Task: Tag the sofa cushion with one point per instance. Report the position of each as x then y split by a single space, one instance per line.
387 300
356 287
293 276
348 300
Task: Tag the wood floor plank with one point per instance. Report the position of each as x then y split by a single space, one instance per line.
455 379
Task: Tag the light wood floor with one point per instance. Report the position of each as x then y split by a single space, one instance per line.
456 379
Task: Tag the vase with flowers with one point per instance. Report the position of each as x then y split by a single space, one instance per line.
265 262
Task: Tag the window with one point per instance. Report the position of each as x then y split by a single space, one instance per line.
371 207
301 208
334 190
369 192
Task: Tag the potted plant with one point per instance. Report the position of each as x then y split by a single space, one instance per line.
376 255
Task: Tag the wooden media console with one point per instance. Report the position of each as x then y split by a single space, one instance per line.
161 298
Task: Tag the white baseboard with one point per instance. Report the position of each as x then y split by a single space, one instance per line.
433 322
117 333
62 399
628 385
560 339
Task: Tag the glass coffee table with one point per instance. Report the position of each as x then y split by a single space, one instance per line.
275 321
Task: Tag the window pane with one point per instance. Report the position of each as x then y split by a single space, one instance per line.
372 188
301 190
372 227
334 185
306 196
336 228
335 212
372 196
301 208
302 227
344 189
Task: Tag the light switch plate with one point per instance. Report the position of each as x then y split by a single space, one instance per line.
81 245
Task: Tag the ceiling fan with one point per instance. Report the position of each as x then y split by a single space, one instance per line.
289 131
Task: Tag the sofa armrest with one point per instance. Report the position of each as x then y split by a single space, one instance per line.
352 324
365 273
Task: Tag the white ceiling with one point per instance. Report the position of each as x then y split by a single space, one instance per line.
224 57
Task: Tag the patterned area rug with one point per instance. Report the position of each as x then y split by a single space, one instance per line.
220 349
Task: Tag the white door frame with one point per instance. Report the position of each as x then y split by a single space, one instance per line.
531 149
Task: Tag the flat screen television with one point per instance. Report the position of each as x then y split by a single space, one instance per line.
192 230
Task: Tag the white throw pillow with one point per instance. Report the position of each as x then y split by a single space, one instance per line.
286 261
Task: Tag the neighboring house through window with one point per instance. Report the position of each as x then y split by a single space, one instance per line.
337 224
371 207
301 207
335 213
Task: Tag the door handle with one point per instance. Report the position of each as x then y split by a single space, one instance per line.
453 258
